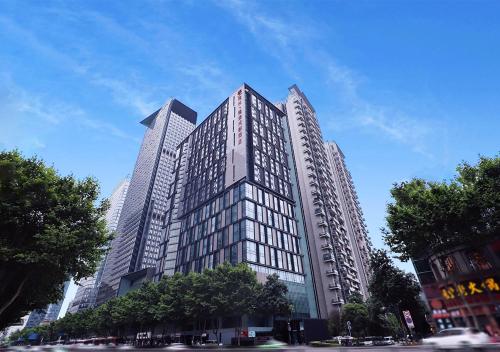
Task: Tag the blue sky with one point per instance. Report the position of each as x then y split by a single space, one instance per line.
406 88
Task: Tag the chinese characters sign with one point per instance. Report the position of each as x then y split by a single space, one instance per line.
239 118
471 288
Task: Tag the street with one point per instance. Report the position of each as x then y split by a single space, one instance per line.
201 349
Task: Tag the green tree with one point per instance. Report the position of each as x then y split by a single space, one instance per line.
172 303
430 217
272 298
396 290
357 314
334 324
50 230
355 297
234 291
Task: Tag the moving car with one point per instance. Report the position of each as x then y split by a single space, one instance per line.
457 337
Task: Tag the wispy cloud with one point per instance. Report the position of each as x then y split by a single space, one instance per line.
288 40
23 110
122 91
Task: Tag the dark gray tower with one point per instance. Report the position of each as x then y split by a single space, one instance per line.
139 228
233 198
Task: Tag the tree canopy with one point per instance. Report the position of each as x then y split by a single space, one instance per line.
430 217
50 230
180 301
392 290
357 315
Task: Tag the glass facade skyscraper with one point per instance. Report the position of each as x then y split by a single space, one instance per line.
49 314
252 183
139 227
232 197
86 294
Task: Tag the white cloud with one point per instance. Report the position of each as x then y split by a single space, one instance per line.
29 116
123 92
290 40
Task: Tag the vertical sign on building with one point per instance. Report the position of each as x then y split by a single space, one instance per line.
408 319
236 147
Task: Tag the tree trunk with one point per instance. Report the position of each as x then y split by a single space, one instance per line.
14 297
239 332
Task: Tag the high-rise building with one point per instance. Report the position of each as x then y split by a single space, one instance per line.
86 294
139 226
334 269
234 198
353 215
253 183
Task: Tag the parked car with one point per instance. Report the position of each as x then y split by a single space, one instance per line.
457 337
384 341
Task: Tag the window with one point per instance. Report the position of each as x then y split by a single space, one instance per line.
234 213
219 239
247 229
234 254
249 209
225 237
259 213
262 255
251 251
257 157
248 191
255 140
236 232
236 194
269 236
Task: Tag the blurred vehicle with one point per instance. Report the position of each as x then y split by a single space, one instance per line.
368 341
346 340
457 338
384 341
273 343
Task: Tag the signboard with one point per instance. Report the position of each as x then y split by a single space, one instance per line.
251 333
408 319
236 144
471 288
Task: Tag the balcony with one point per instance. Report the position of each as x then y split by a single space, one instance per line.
333 287
337 302
327 246
319 211
324 235
331 272
318 201
328 257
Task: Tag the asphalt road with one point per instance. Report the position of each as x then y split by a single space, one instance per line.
298 349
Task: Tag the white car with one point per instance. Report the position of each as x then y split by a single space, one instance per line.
457 337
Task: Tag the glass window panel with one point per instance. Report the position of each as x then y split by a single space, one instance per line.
251 251
262 254
249 230
259 213
234 213
249 209
236 232
248 191
234 254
